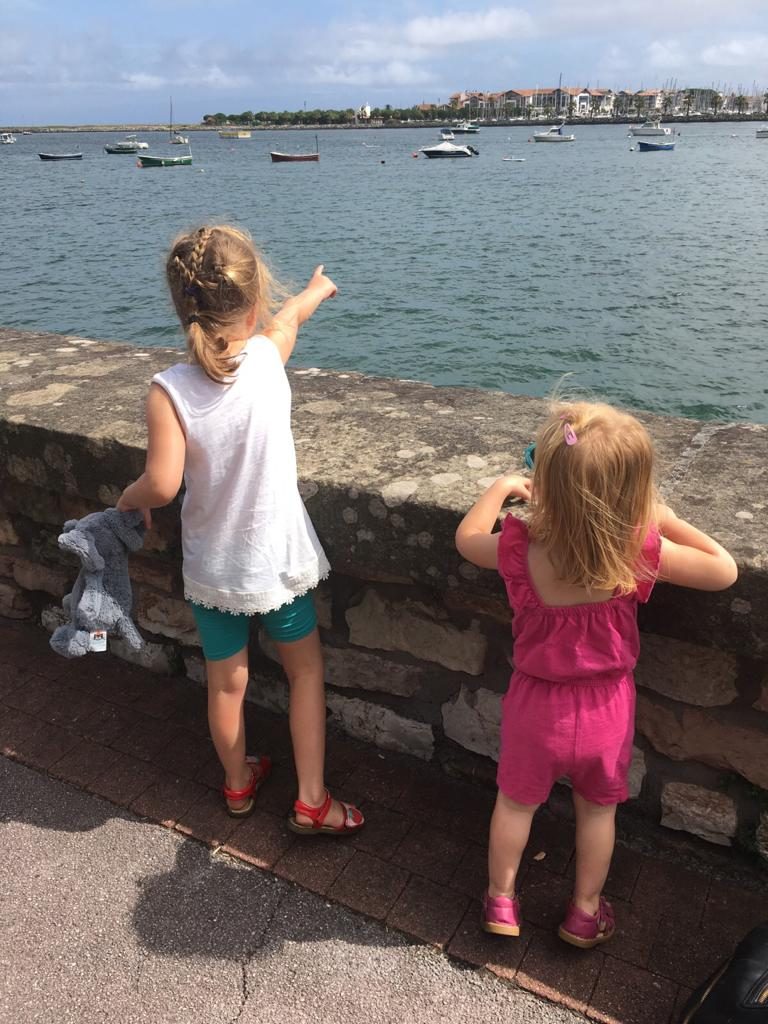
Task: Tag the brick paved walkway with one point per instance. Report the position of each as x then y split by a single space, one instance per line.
141 741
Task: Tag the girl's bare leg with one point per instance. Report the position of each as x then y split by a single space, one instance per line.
227 681
510 828
302 661
595 839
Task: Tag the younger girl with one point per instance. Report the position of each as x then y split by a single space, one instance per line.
223 423
596 542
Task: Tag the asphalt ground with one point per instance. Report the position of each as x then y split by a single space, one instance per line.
105 917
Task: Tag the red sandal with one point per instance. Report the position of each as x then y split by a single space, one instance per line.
260 771
353 819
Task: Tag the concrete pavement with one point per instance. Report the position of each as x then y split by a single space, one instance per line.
108 918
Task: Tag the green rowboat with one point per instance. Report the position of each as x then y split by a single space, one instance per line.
165 161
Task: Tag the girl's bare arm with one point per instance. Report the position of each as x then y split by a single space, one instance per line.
297 310
690 558
475 540
164 468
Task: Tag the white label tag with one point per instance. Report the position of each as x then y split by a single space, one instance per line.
98 640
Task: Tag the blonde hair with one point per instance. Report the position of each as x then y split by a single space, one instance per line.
593 500
216 276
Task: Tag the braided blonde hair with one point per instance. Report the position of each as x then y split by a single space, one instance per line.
216 276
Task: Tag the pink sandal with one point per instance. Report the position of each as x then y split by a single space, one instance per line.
353 819
260 771
587 930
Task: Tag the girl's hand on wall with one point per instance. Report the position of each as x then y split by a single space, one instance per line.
516 486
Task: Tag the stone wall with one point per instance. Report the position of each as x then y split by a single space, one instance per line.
418 642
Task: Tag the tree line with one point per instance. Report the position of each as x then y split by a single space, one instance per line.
349 116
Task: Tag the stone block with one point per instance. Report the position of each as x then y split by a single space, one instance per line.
13 601
410 626
158 658
6 566
8 533
168 617
687 672
268 693
36 576
761 704
698 735
637 772
155 573
324 606
352 668
382 726
704 812
473 720
761 836
194 667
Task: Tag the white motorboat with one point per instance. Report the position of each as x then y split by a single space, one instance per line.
465 128
7 138
553 134
130 144
445 150
650 128
446 134
762 133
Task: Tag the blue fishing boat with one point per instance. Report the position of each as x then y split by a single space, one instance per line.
646 147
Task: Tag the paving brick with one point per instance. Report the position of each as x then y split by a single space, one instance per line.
208 820
684 954
683 995
260 839
544 896
733 912
17 731
84 763
34 696
470 874
71 710
552 837
627 995
124 780
47 744
106 722
211 774
626 866
431 853
167 799
428 912
557 971
671 889
44 662
381 781
279 791
315 862
499 953
192 713
143 737
636 931
383 832
369 885
167 697
184 754
10 677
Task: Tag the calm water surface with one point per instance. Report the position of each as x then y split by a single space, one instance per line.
641 274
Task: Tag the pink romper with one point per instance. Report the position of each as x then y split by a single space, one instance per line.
570 707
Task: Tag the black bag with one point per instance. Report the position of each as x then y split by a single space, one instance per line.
737 993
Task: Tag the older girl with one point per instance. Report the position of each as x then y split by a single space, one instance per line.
222 421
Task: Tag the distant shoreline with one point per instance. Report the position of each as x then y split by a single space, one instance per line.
577 121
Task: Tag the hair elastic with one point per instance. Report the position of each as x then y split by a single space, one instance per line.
193 318
569 434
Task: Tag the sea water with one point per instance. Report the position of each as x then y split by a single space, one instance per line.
641 276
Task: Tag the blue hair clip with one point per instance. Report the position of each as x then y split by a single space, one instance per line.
529 455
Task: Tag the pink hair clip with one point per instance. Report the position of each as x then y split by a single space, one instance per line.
569 434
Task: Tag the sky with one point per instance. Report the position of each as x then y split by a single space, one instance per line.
111 61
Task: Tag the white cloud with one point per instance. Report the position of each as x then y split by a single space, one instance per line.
737 53
458 28
393 73
666 55
141 80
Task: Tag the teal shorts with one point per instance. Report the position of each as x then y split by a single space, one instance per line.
225 633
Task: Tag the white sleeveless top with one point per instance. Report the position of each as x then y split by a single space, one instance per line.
249 545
